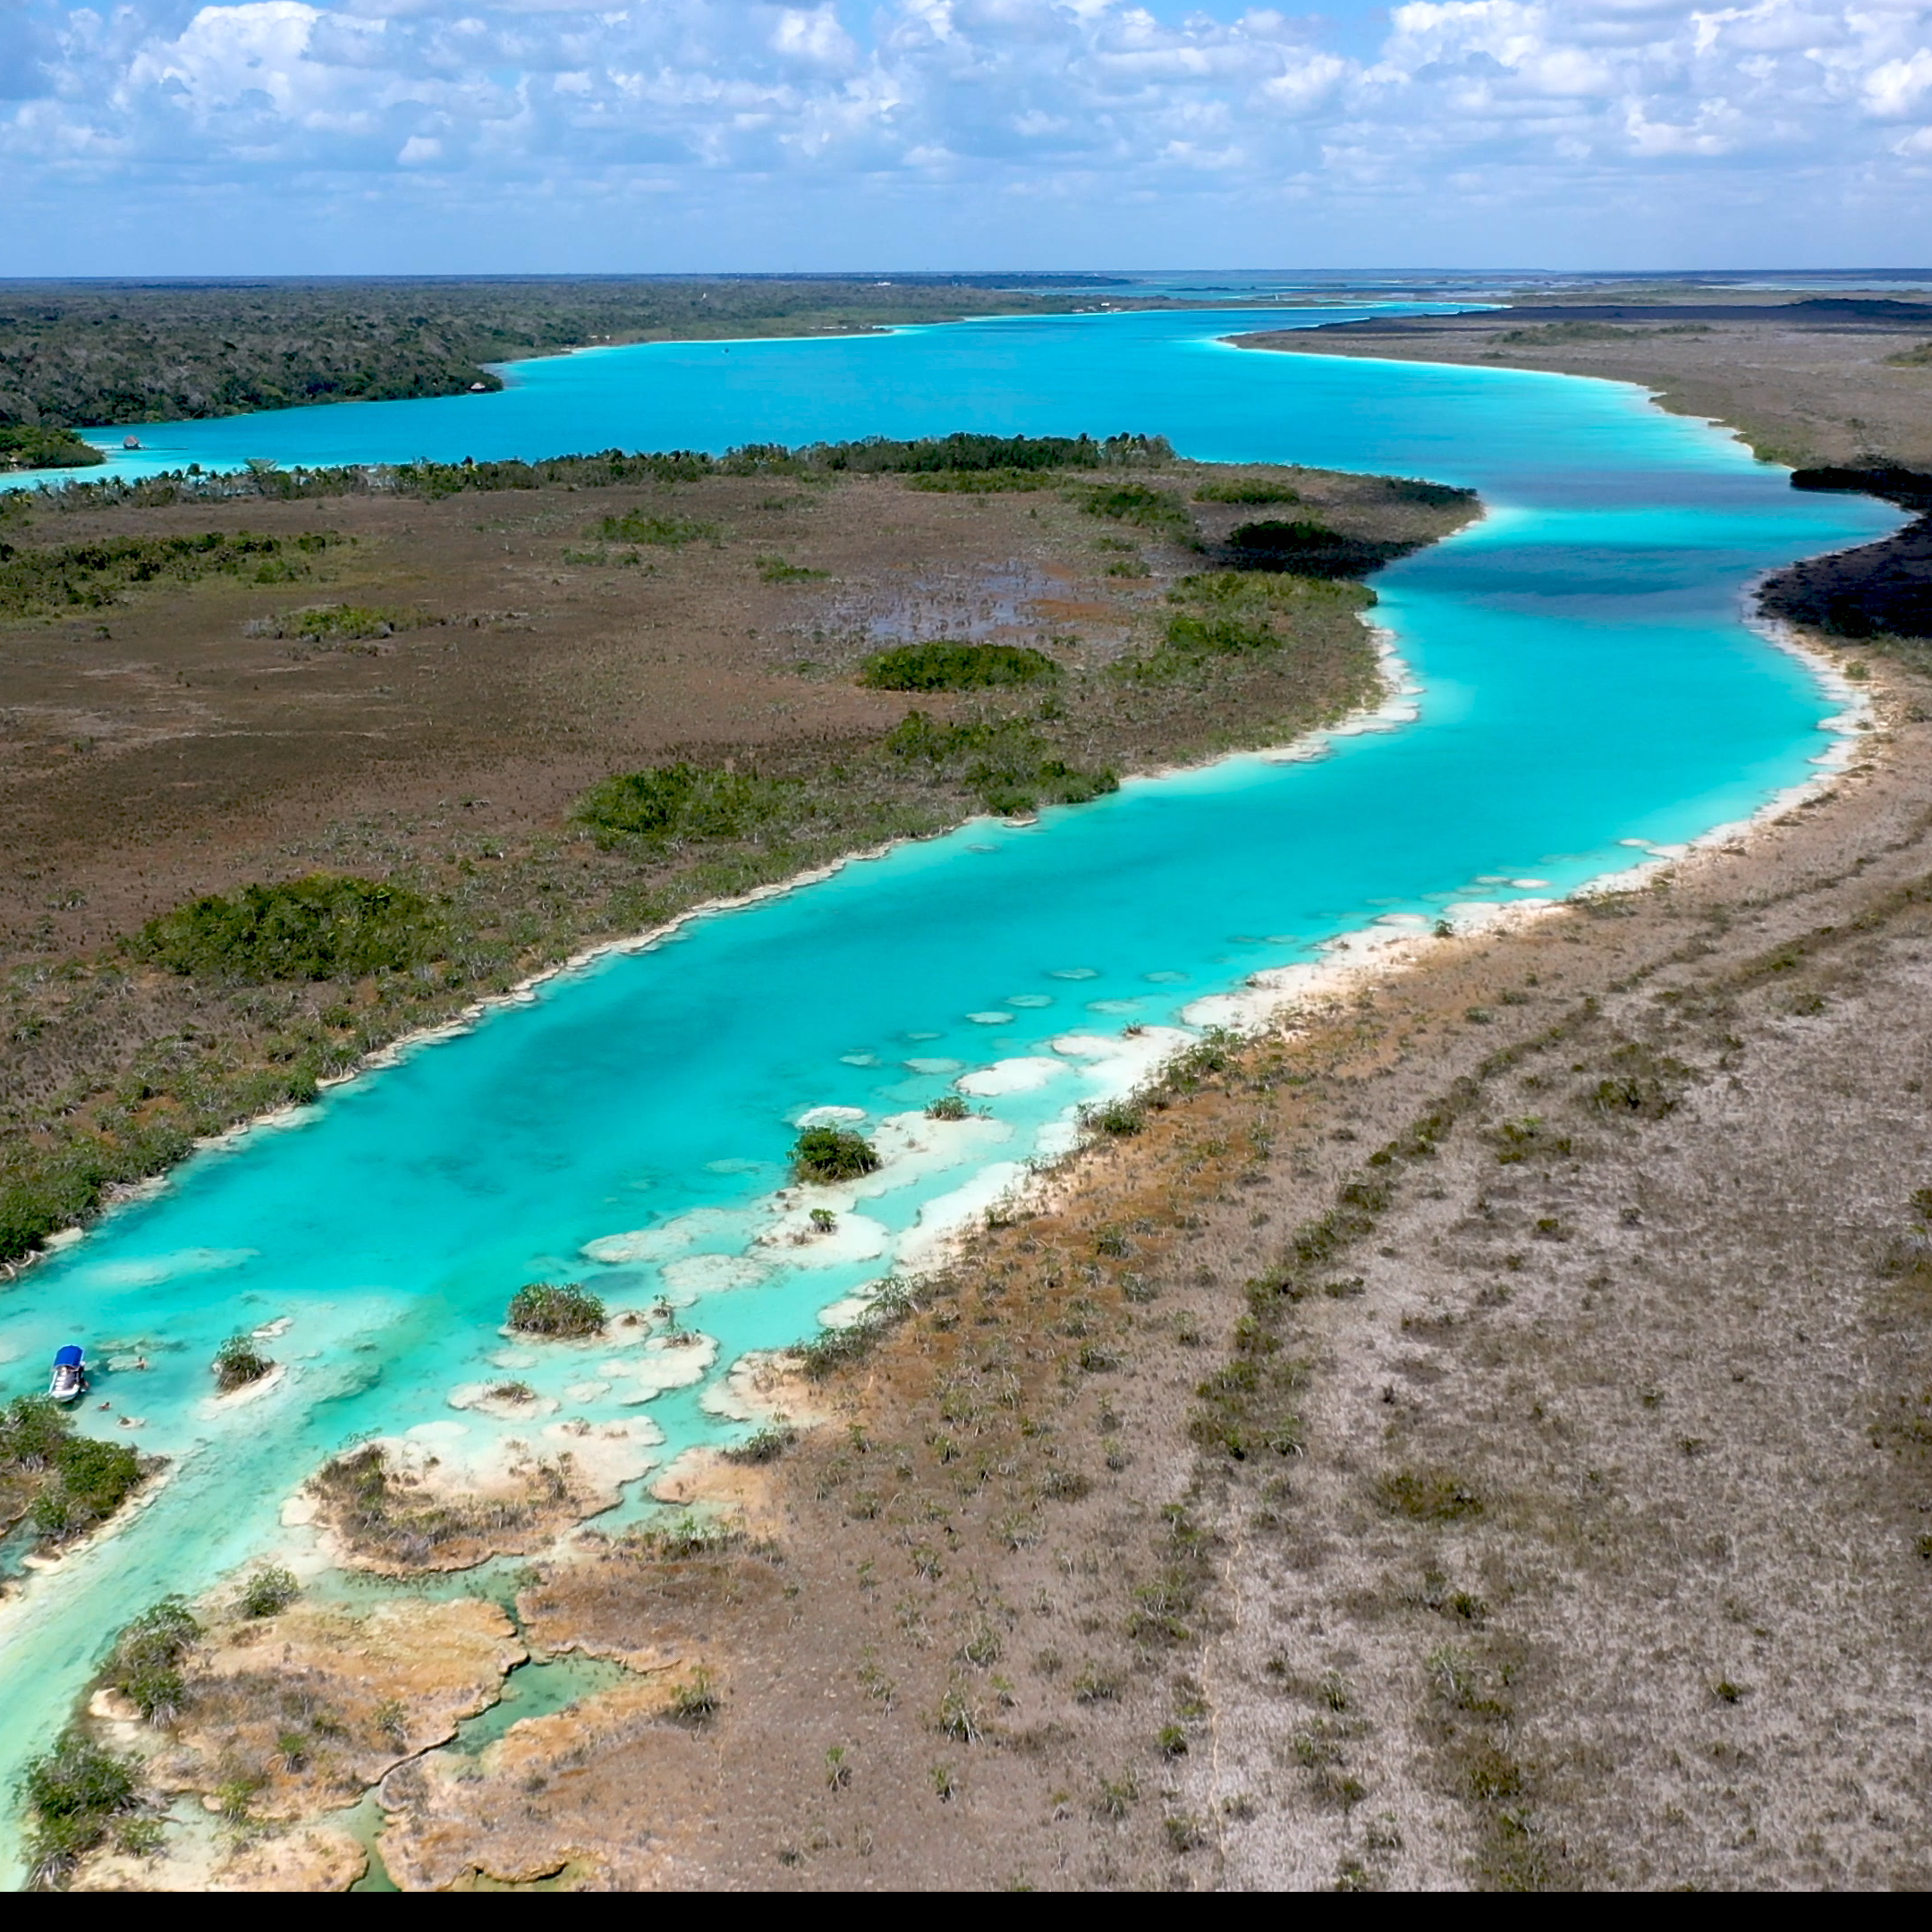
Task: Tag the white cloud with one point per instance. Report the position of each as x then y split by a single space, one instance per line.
1526 102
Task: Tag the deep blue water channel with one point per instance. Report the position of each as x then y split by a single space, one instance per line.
1585 680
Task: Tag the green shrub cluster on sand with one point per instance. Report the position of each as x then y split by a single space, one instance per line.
944 458
324 927
688 801
65 1484
74 1795
965 451
1438 496
269 1591
91 576
984 482
1252 491
41 446
145 1666
555 1308
1234 615
1007 761
634 526
1160 511
332 623
943 665
88 1481
238 1362
827 1154
776 569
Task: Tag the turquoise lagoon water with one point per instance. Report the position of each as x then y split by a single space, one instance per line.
1586 680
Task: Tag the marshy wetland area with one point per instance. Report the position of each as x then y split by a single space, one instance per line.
1473 1430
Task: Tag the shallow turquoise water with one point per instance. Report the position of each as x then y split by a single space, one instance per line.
1586 680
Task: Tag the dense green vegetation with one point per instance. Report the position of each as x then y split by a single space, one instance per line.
942 463
1160 511
1234 615
74 1795
90 576
1007 762
32 1428
238 1362
1253 491
87 353
944 665
67 1484
555 1308
829 1154
269 1591
318 928
776 569
336 624
687 802
984 482
635 527
145 1666
88 1481
1309 549
42 447
964 452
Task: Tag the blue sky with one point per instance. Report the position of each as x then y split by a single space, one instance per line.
444 136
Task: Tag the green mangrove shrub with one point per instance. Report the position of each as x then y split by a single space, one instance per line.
1252 490
45 446
1156 510
635 527
687 802
73 1795
1007 761
555 1308
269 1591
823 1155
238 1362
1310 549
32 1429
326 926
145 1666
983 482
336 624
776 569
944 665
92 576
87 1481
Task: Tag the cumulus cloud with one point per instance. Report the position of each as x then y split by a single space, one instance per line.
1534 101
